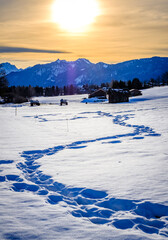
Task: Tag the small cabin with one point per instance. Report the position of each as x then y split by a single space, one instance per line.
100 94
135 92
118 95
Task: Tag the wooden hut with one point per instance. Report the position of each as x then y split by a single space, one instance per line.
135 92
118 95
100 93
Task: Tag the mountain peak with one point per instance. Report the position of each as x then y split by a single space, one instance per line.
8 68
58 61
83 60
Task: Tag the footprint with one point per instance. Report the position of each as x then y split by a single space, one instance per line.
117 204
113 142
6 161
77 147
148 229
94 194
84 201
138 138
99 220
2 178
42 192
14 178
123 224
20 187
54 199
151 210
152 223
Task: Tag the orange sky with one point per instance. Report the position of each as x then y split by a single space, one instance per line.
124 30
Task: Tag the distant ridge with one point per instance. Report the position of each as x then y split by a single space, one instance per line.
6 68
82 71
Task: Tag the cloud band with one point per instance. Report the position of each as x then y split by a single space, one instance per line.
6 49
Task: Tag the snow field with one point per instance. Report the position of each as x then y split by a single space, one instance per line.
99 166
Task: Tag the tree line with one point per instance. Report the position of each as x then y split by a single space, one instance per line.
22 93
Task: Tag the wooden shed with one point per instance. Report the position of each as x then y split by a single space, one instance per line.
100 93
135 92
118 95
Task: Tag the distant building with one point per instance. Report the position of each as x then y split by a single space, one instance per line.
134 92
118 95
100 94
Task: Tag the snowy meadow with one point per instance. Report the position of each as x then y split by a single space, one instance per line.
85 171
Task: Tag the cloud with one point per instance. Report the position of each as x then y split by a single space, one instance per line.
6 49
159 50
24 11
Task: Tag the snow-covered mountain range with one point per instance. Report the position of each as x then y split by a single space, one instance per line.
82 71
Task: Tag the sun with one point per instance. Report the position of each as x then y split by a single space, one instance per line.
75 15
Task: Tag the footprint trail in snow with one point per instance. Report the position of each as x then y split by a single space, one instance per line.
97 206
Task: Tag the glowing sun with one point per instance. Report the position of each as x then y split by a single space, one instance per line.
74 15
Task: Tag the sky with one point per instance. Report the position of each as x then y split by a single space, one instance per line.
122 30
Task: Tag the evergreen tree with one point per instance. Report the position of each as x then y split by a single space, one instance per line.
129 84
65 90
71 90
115 84
164 78
3 85
122 84
57 91
136 84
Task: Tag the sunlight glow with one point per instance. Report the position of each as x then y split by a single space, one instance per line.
74 15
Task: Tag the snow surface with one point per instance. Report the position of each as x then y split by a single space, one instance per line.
85 171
